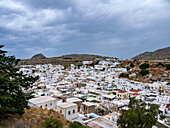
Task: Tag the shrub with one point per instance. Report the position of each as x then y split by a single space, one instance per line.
162 117
168 66
144 66
52 123
132 65
76 124
127 68
124 75
144 72
114 93
38 87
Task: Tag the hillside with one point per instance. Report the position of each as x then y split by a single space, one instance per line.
32 118
160 54
157 70
64 60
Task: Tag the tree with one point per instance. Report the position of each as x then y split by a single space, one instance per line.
76 124
144 72
132 65
127 68
144 66
168 66
12 83
123 75
139 115
52 123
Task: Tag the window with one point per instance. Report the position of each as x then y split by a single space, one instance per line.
68 112
73 111
46 105
51 104
60 111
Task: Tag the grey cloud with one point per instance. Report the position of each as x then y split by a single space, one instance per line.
106 27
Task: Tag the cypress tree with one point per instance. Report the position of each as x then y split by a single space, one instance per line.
13 83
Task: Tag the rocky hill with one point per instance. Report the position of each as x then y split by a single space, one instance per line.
64 60
160 54
38 56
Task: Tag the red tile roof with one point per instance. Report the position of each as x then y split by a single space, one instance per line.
134 90
122 91
168 106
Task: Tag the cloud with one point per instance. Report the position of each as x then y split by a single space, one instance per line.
22 17
109 27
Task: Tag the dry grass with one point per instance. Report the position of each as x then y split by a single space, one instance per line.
33 118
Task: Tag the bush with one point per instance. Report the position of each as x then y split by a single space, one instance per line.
162 117
114 93
52 123
132 65
168 66
144 72
144 66
124 75
76 124
127 68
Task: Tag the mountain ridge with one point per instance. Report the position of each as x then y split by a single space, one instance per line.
160 54
62 60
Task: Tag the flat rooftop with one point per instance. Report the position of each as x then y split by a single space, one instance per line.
41 99
66 105
109 96
88 104
71 100
101 123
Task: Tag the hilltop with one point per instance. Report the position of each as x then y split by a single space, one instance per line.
160 54
38 56
64 60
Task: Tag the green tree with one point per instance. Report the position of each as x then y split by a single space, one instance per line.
123 75
168 66
139 115
132 65
144 72
52 123
12 83
144 66
76 124
127 68
162 117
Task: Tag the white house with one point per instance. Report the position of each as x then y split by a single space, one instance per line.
69 110
43 102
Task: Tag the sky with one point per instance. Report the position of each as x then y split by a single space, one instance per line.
115 28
